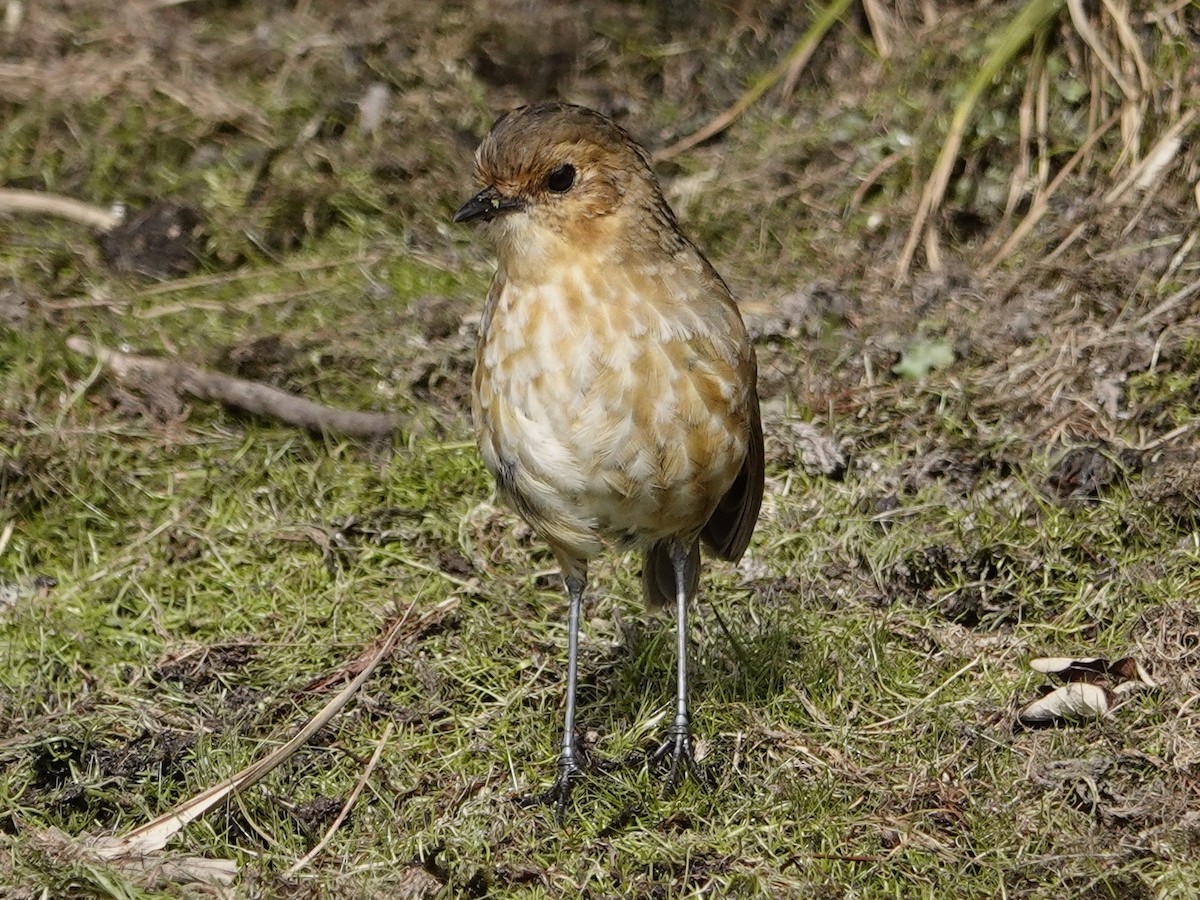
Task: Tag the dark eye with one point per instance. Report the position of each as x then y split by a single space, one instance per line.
561 179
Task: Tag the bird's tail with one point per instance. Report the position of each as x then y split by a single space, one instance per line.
658 574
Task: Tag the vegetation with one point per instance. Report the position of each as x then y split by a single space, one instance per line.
964 237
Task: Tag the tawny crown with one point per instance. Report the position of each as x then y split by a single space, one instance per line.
560 156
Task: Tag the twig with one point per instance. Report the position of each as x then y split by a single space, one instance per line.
6 535
341 816
800 53
17 201
251 396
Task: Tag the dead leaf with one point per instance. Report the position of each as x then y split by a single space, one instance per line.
1094 687
1073 701
1131 671
1094 669
1086 669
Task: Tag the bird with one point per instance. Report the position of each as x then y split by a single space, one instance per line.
614 395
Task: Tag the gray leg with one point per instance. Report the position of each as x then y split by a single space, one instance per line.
569 767
679 735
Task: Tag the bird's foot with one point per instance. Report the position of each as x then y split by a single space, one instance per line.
569 771
678 746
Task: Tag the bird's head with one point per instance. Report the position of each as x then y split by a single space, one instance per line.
557 177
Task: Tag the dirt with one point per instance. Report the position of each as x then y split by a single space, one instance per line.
160 241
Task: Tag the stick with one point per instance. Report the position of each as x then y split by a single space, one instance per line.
251 396
13 200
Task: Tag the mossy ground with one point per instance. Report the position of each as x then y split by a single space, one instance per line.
181 585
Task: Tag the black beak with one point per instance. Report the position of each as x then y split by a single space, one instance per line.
487 204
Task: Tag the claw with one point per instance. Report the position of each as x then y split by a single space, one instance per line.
560 791
569 771
679 744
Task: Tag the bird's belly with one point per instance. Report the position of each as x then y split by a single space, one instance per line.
619 435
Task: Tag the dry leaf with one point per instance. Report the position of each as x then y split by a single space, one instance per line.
1131 671
1073 701
1093 686
1093 668
1070 669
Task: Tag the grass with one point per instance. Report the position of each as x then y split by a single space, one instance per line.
182 587
852 741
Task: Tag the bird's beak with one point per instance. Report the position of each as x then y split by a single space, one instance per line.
485 205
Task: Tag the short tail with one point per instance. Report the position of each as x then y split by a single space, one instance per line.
658 574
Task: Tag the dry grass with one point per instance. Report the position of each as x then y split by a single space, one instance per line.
182 587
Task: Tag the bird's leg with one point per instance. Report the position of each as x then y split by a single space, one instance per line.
569 767
679 736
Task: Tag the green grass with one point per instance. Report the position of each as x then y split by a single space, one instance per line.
855 736
176 577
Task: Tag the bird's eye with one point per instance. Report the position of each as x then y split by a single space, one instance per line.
561 179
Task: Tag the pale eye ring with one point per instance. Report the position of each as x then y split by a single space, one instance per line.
561 179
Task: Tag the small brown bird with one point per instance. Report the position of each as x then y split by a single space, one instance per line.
615 395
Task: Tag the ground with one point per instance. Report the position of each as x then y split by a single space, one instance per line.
981 407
